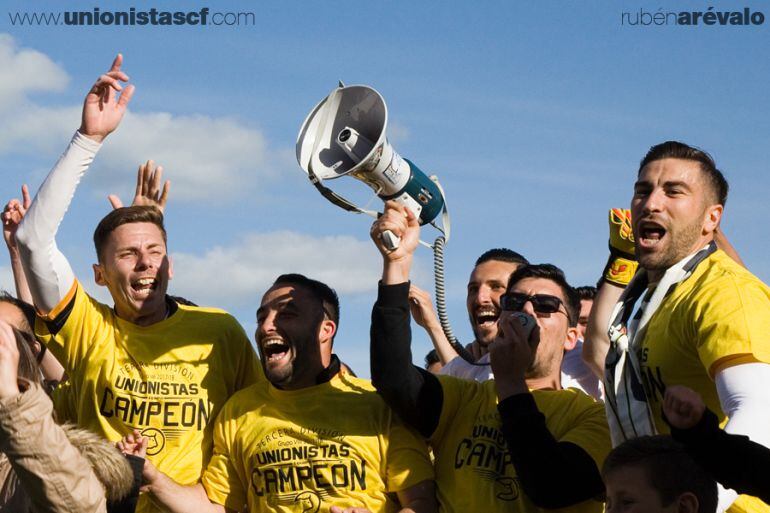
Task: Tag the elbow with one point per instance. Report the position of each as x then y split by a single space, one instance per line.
23 238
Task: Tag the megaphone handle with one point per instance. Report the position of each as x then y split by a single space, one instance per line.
390 240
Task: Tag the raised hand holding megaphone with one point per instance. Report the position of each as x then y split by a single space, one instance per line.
399 221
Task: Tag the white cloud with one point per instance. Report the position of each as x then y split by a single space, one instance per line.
240 274
205 157
23 71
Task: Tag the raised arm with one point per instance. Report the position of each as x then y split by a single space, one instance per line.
148 190
13 213
413 393
621 267
48 272
424 315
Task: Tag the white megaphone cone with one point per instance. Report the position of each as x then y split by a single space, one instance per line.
345 135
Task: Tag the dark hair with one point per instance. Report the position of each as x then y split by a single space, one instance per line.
586 292
556 275
669 469
502 255
28 367
679 150
126 215
330 302
431 358
26 309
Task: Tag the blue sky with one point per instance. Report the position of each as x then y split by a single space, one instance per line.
533 114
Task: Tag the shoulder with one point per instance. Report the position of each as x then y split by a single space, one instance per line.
723 283
567 401
211 319
244 401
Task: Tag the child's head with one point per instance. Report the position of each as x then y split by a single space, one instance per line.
653 474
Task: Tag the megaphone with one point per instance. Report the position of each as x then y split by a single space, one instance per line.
345 135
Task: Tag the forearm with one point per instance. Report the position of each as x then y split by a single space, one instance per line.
553 474
19 278
732 460
446 353
51 368
178 498
48 273
597 341
414 395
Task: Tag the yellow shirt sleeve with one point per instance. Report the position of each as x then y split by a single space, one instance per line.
732 322
65 329
589 429
457 392
220 479
408 462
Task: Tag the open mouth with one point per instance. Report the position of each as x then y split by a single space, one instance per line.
275 350
486 317
144 286
650 234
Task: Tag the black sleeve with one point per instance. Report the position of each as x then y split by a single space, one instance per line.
553 474
128 503
414 394
733 460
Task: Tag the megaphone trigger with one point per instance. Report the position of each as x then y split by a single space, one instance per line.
390 240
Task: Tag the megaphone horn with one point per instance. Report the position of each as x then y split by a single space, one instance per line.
345 135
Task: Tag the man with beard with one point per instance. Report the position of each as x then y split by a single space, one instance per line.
148 363
311 436
485 286
517 443
704 321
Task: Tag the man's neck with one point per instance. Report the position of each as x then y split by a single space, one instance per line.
169 307
477 350
552 382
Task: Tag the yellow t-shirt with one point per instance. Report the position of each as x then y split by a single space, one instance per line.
474 471
719 315
168 380
333 444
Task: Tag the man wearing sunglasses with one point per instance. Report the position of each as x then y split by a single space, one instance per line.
516 443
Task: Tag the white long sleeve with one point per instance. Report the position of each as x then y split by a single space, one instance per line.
743 394
48 272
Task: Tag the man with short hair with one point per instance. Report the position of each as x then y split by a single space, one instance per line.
703 321
487 282
311 438
516 443
148 363
654 474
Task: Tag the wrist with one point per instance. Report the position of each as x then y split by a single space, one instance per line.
99 138
396 271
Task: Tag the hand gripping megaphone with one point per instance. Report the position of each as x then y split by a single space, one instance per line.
345 135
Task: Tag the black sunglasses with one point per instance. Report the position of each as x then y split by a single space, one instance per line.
541 303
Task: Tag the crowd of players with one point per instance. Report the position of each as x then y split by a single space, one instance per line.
667 362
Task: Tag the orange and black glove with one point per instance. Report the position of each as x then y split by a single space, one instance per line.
622 263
